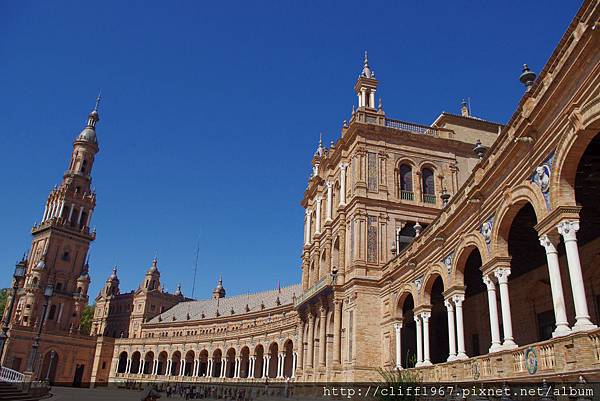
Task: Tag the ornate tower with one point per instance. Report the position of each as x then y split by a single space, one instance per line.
61 241
219 291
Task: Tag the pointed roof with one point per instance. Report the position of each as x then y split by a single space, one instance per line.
88 134
366 71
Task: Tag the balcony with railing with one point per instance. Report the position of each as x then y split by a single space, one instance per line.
323 283
417 128
407 195
429 198
64 223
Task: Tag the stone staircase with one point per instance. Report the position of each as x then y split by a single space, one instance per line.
12 392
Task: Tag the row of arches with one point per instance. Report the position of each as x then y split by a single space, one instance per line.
520 285
273 362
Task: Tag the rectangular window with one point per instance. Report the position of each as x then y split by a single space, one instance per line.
350 324
372 239
372 175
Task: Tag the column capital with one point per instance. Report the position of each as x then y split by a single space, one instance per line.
449 305
488 280
328 184
398 326
549 242
307 212
568 229
310 317
344 166
502 275
318 199
458 299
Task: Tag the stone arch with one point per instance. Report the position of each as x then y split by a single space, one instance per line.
175 363
514 200
136 360
49 366
217 357
470 242
244 361
162 363
435 271
230 362
406 291
273 355
148 363
585 125
188 369
122 362
259 354
404 161
288 360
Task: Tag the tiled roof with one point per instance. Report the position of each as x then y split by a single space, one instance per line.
224 306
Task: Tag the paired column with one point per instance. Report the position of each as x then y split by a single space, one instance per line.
502 276
398 329
419 341
337 329
558 298
301 344
451 331
322 334
318 200
307 232
568 230
251 367
311 341
493 309
460 330
425 318
128 366
266 366
343 167
209 365
329 201
294 363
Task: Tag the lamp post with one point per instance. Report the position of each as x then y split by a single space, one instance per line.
48 292
17 276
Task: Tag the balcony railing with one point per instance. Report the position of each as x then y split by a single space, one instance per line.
10 376
411 127
317 287
428 198
407 195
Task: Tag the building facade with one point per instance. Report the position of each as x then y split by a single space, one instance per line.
465 249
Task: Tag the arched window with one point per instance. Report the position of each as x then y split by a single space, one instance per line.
428 185
406 183
83 166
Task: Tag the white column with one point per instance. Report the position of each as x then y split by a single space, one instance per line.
128 369
363 96
568 230
494 324
223 367
52 208
62 207
372 98
329 201
45 213
460 329
294 363
71 212
558 299
209 368
398 329
141 367
168 368
267 366
451 331
80 213
89 219
181 367
502 275
419 341
194 368
343 167
264 366
318 220
426 358
307 232
251 367
155 367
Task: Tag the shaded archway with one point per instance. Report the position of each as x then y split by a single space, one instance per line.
202 370
217 362
259 353
136 360
50 366
273 355
405 313
230 363
161 369
122 364
148 363
244 362
175 363
188 369
288 361
438 322
476 316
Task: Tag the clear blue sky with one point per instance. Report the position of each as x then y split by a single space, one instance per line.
212 110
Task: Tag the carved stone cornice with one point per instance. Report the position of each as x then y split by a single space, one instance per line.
553 219
497 262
